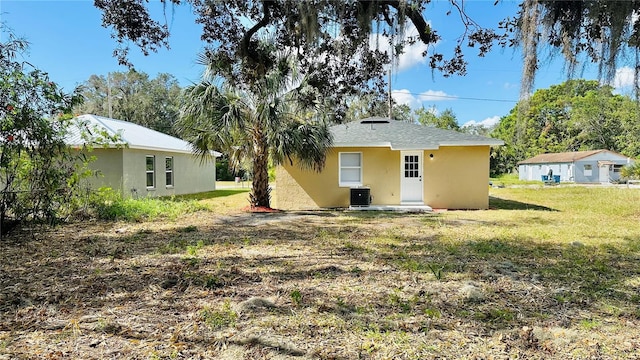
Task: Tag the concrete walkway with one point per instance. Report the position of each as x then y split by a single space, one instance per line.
400 208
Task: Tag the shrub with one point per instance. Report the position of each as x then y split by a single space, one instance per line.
631 171
37 169
110 205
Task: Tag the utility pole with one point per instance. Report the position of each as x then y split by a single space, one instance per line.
392 42
390 102
109 94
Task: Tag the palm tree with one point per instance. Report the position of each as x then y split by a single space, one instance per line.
263 121
631 171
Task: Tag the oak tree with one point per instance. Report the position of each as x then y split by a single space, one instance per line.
603 32
444 120
332 38
135 97
572 116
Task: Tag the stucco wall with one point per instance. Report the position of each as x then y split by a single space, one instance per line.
189 175
307 189
289 194
124 170
108 164
455 178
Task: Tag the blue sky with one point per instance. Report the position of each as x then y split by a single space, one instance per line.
67 40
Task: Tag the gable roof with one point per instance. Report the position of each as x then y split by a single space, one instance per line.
565 157
133 135
400 135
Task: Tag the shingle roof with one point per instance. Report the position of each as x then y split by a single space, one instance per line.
400 135
564 157
135 136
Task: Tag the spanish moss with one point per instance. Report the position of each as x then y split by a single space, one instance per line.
602 32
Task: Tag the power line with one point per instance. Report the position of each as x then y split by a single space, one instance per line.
458 97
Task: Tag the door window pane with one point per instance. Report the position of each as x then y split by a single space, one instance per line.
411 166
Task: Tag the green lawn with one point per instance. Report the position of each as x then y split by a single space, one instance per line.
511 180
546 273
233 185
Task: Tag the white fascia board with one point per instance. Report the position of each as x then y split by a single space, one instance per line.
409 148
371 144
154 148
467 143
126 146
97 146
149 148
385 144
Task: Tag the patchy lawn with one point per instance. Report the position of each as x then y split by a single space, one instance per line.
546 273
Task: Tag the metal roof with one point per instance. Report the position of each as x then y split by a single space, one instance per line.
565 157
133 135
400 135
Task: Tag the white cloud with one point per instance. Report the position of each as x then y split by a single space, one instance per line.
488 122
405 97
412 54
435 95
624 78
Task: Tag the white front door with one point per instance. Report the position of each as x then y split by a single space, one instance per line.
411 177
570 173
604 174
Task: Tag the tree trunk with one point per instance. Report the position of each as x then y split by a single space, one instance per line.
260 193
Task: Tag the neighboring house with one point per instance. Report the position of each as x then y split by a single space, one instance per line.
593 166
398 163
141 162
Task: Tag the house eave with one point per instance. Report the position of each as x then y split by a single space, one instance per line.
413 147
372 144
545 162
465 143
157 148
144 148
400 147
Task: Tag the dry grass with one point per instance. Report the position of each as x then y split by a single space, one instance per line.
547 273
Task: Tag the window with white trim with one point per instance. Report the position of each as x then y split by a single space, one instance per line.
151 171
350 172
168 171
588 170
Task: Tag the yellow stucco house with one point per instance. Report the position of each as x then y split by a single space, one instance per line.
392 163
142 162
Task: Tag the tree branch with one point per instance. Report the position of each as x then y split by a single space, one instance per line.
246 39
424 30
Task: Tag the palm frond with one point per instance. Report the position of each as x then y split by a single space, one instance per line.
243 120
306 142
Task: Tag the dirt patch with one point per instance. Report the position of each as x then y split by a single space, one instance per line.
329 285
260 209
